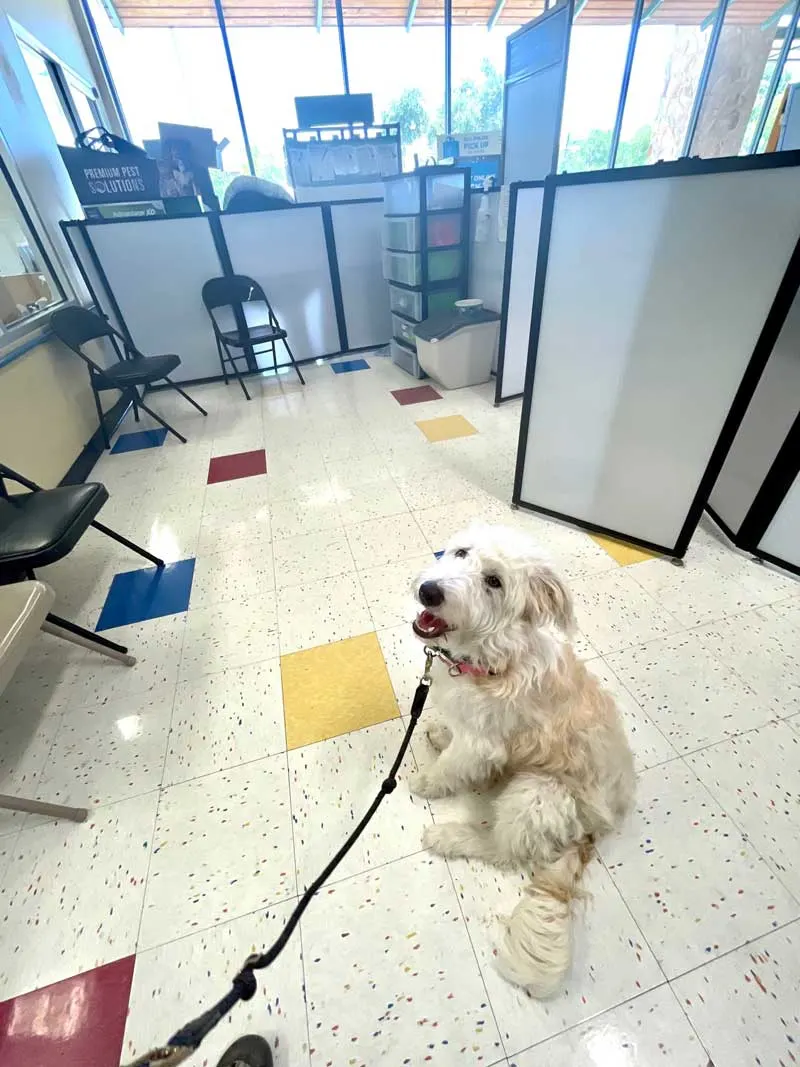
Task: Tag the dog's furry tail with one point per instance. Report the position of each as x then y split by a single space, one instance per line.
536 949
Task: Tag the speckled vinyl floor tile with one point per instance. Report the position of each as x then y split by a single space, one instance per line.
232 633
696 888
72 895
320 612
688 693
756 779
420 994
615 612
222 848
224 719
650 747
744 1006
647 1032
178 981
332 785
382 541
109 752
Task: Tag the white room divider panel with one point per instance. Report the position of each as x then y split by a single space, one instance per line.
533 101
156 269
781 542
76 236
522 243
286 253
660 292
764 428
365 294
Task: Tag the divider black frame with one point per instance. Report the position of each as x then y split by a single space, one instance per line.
108 298
501 344
770 331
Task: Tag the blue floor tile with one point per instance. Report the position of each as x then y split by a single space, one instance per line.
147 594
132 442
439 554
349 364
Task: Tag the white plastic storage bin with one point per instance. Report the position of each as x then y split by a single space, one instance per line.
401 234
403 330
406 302
401 197
406 359
403 267
459 347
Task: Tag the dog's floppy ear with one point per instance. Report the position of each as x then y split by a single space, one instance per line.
549 600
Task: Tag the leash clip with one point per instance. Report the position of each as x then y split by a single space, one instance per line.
430 655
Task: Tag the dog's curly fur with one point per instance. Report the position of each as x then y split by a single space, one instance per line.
536 734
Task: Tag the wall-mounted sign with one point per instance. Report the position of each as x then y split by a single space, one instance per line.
481 152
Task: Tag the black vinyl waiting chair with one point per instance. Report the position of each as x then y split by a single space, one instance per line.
234 292
77 326
44 525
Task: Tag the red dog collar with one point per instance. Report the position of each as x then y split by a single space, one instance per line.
461 666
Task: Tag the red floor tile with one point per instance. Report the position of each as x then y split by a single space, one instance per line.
416 395
240 465
79 1022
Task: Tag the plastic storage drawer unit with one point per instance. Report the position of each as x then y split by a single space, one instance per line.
442 266
406 359
406 302
403 330
402 234
403 267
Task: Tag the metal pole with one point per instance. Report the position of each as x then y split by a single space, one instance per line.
234 84
705 74
342 46
791 29
636 22
448 66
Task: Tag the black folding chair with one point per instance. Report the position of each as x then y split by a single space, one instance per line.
234 292
77 326
43 526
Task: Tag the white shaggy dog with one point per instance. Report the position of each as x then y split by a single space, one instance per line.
523 721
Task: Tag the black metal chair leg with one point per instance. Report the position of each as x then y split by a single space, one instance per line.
158 419
221 360
186 396
128 544
100 416
135 403
237 372
73 628
294 363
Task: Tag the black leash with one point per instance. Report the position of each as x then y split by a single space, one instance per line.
183 1043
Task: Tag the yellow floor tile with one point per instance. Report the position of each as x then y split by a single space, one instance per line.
332 689
447 428
624 554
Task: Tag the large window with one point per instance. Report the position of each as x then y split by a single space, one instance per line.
27 285
667 64
44 78
790 72
402 68
174 73
275 63
478 73
597 52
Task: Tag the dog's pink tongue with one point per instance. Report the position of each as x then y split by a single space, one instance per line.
430 625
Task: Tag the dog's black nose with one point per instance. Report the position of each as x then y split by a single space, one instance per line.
430 594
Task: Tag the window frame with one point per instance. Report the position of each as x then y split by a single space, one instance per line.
16 331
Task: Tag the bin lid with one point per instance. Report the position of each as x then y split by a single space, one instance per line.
446 323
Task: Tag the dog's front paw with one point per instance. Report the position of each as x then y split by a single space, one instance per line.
448 839
423 784
439 736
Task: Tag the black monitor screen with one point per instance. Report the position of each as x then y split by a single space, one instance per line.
334 110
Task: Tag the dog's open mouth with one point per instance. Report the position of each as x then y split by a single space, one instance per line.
429 626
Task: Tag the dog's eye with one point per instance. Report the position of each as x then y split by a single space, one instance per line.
493 581
460 553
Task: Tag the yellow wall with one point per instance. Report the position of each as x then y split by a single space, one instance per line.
47 413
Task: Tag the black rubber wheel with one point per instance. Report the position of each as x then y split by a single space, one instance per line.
250 1051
